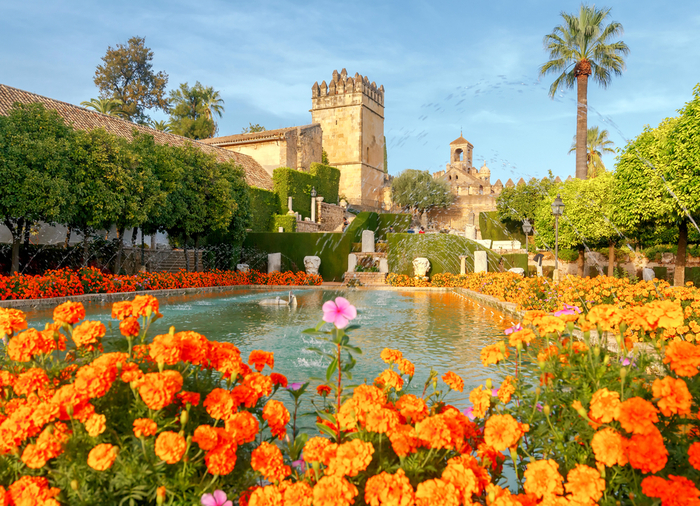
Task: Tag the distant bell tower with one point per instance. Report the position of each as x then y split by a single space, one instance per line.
350 111
461 151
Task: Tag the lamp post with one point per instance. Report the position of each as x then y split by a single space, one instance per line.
527 228
313 203
557 210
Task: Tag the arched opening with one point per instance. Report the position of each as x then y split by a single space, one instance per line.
481 190
458 155
449 178
456 177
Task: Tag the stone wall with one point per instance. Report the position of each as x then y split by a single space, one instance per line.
308 226
329 216
367 278
458 214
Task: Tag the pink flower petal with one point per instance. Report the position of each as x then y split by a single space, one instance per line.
328 306
341 322
208 500
220 497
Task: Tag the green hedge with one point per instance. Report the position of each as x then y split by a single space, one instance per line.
263 204
327 182
287 222
660 272
400 222
332 248
363 221
492 228
442 250
511 260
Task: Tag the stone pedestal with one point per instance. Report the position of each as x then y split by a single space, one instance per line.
311 264
352 262
289 205
274 262
421 266
648 274
313 209
462 264
383 265
367 241
470 232
480 261
243 267
280 229
517 270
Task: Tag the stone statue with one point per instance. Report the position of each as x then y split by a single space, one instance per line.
311 264
421 266
243 267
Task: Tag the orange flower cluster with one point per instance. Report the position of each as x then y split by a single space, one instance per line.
277 417
170 447
267 460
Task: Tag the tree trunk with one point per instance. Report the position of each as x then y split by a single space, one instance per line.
120 250
581 261
27 232
611 258
16 231
196 248
187 259
679 271
581 125
68 233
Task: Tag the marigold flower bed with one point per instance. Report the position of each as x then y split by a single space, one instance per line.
68 282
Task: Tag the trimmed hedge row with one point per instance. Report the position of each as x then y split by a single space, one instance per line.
363 221
400 222
287 222
298 185
327 181
492 228
263 205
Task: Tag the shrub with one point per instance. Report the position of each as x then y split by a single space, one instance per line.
286 221
326 182
264 204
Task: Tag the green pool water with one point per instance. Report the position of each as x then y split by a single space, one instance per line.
433 329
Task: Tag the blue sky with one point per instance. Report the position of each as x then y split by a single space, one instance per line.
445 66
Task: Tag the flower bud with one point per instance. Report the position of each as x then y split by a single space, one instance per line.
160 495
75 485
171 331
570 326
596 351
69 410
184 418
606 360
547 410
489 384
623 373
587 335
149 311
623 328
519 346
502 347
542 364
538 391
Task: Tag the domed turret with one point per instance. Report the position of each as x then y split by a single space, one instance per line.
485 172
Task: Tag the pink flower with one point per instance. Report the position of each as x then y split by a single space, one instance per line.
218 498
339 312
514 328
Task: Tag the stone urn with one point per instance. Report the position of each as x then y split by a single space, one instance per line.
421 266
243 267
311 264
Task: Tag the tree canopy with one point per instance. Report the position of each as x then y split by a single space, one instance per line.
597 143
192 111
127 74
415 189
516 203
253 128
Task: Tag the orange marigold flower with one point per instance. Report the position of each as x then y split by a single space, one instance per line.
269 495
11 321
542 478
48 445
102 456
647 452
277 417
144 305
437 491
220 404
279 379
406 367
386 489
25 346
694 455
260 359
463 478
323 390
69 312
299 493
31 490
453 381
267 459
435 432
668 313
494 353
122 310
225 358
481 400
524 336
638 416
206 436
503 431
605 315
243 394
673 396
584 484
315 449
221 460
609 447
96 425
381 420
129 327
165 349
684 358
605 406
170 446
350 458
677 491
507 390
94 380
334 491
550 325
244 426
490 458
144 427
194 347
412 408
88 334
389 379
390 356
30 381
258 382
191 398
158 389
404 440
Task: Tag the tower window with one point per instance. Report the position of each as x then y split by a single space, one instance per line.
458 155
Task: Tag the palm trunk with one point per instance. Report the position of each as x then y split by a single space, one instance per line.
120 250
611 258
581 125
581 261
16 231
679 271
187 259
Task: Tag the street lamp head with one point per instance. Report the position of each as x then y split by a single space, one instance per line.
527 227
313 192
558 206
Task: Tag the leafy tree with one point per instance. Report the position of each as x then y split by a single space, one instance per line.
324 158
251 129
214 104
161 125
127 75
418 190
108 106
516 203
190 115
34 166
597 143
581 47
587 220
657 178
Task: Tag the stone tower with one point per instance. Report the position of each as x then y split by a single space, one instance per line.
350 111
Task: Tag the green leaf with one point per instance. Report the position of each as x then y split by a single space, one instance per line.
325 429
331 369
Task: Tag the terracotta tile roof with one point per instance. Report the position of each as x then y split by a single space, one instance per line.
460 140
251 137
85 119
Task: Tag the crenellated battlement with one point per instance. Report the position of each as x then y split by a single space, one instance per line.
341 84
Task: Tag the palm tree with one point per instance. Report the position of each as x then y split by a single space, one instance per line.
108 106
578 48
597 143
214 104
161 126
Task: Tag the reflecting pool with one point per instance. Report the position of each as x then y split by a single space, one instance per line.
433 329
